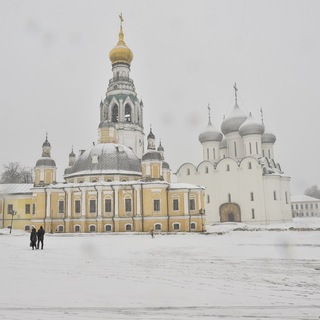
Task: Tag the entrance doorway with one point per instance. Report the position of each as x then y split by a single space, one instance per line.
230 212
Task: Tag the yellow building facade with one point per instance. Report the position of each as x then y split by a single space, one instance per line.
116 185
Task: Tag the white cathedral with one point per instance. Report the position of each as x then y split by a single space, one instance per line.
242 179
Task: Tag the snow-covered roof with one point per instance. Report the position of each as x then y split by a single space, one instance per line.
303 198
15 188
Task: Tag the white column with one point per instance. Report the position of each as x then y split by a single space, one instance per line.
138 190
186 204
69 203
48 204
116 201
83 204
99 199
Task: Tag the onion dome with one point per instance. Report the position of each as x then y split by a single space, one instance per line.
223 143
160 148
105 158
46 162
210 134
165 165
72 154
46 143
152 155
151 135
233 121
251 126
268 137
121 53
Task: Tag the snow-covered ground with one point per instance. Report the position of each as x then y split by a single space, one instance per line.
223 274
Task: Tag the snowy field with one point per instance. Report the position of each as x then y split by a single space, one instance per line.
224 274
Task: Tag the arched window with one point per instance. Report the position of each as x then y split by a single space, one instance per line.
92 228
127 113
108 227
128 227
188 172
115 114
60 228
193 226
228 167
207 170
176 226
158 226
27 228
207 154
274 195
77 228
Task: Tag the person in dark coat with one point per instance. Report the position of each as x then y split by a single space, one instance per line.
33 238
40 235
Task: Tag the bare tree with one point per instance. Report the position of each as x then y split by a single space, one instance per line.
313 191
14 173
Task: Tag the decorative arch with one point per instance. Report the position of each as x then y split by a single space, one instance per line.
230 212
92 228
157 226
77 228
115 113
128 113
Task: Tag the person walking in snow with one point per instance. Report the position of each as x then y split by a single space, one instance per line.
152 233
33 238
40 235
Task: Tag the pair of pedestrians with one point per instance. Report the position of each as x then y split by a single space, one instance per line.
37 238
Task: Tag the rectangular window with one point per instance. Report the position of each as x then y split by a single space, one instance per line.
77 205
257 150
92 206
252 213
61 206
297 207
192 204
274 195
250 147
251 196
286 195
208 198
306 206
235 149
316 206
229 197
156 205
128 205
33 208
10 208
292 207
107 205
214 153
175 204
28 207
311 206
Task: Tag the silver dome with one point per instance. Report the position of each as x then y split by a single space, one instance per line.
210 134
165 165
233 121
152 155
251 126
268 137
45 161
105 158
223 143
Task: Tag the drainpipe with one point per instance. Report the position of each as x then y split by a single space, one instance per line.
114 206
133 208
3 206
142 208
97 205
189 210
168 215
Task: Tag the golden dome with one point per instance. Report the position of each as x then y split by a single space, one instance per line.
121 53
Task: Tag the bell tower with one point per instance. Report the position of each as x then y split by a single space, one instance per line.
121 105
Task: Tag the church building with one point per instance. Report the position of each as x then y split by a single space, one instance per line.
242 179
116 185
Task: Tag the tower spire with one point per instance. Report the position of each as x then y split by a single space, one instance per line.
261 111
235 92
209 112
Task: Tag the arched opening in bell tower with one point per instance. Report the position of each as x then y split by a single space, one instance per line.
115 114
127 113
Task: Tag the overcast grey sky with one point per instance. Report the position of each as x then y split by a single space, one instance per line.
55 67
